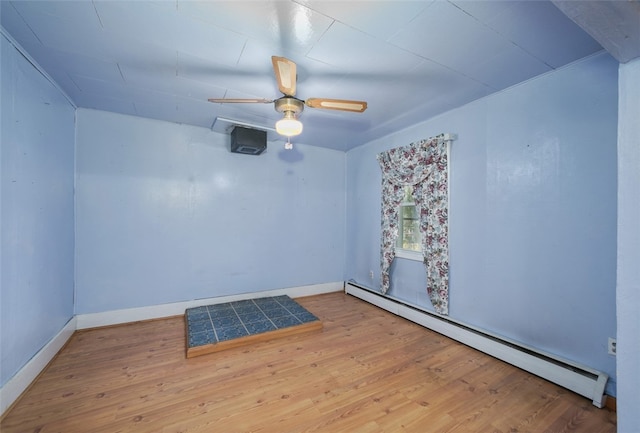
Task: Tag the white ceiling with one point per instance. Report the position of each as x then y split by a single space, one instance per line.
410 60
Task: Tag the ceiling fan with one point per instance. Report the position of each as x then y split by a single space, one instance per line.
289 125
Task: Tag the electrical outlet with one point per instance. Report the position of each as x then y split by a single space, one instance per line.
612 346
371 275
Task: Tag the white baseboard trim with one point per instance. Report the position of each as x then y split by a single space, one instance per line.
115 317
11 390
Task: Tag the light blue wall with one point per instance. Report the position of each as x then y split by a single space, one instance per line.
166 213
37 231
532 216
628 292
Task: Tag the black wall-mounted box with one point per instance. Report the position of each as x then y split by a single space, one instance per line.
248 141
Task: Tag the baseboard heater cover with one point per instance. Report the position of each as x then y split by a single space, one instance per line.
580 379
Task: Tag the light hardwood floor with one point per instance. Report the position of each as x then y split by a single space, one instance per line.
367 371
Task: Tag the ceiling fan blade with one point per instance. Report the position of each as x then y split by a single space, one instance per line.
240 101
337 104
285 71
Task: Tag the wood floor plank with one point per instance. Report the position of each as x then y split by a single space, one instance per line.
365 371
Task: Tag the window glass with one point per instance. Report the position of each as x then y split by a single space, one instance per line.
409 237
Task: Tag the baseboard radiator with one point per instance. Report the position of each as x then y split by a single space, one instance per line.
582 380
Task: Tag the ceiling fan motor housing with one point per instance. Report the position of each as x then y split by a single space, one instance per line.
287 103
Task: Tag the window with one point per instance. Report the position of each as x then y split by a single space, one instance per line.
409 242
423 164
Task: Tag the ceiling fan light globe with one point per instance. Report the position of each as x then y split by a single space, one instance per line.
289 127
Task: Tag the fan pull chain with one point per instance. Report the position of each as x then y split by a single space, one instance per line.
288 145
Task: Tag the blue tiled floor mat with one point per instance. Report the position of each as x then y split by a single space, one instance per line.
216 327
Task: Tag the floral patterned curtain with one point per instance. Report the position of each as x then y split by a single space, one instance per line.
424 166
